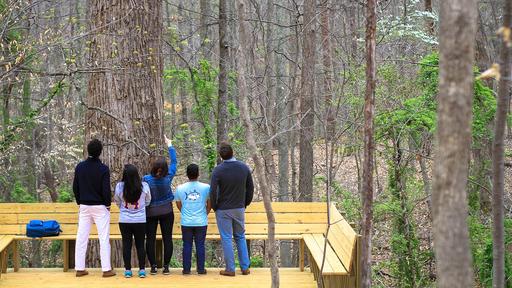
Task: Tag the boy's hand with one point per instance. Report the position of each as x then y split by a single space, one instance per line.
167 141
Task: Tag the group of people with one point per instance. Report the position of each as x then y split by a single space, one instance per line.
144 202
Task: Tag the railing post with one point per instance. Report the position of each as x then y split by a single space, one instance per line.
16 256
301 254
65 254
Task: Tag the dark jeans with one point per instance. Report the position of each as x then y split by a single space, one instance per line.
198 235
128 232
166 223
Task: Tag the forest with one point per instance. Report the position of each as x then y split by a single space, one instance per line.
394 110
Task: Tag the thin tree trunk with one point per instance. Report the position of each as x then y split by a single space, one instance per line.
222 112
450 171
498 190
328 68
204 27
429 23
368 153
253 149
270 106
307 105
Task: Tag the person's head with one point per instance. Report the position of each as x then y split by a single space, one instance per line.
225 151
132 184
192 172
94 148
159 167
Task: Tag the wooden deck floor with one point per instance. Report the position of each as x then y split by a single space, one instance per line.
55 278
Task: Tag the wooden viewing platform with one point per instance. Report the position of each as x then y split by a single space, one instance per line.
302 221
55 278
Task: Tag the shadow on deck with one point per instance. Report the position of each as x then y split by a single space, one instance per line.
55 278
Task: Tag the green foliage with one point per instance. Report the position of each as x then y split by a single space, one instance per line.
21 195
481 248
65 194
257 261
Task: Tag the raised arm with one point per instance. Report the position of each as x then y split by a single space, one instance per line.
173 161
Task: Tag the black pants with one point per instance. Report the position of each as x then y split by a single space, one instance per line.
166 223
128 232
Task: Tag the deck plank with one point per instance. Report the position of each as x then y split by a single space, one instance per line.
55 278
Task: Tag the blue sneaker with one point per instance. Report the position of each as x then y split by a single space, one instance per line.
128 274
142 273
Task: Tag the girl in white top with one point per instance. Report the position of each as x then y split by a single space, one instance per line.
132 196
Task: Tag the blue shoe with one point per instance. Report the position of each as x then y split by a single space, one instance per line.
128 274
142 273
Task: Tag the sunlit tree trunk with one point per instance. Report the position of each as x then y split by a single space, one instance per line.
450 171
369 146
124 95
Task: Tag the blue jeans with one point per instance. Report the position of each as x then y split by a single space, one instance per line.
198 235
231 224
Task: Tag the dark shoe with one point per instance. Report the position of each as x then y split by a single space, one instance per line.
246 272
153 270
185 272
81 273
201 272
166 270
109 273
227 273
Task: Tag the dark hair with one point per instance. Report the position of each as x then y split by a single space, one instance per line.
192 171
94 148
225 151
159 168
132 184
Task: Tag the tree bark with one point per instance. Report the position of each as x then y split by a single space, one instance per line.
450 171
328 69
124 95
429 23
498 190
206 47
253 149
222 112
369 145
307 105
125 101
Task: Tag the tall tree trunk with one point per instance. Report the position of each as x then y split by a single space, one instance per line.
251 143
222 112
270 106
498 190
307 104
124 95
204 27
450 171
369 145
327 68
429 23
125 102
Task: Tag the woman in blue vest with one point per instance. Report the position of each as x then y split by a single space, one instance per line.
160 209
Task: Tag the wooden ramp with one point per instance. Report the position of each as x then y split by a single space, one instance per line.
55 278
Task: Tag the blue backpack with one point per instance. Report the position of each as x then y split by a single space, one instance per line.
40 228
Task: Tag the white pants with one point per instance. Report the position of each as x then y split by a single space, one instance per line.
100 215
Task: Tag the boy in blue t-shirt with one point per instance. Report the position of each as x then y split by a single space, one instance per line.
193 201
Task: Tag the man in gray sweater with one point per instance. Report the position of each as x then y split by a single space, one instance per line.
231 192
